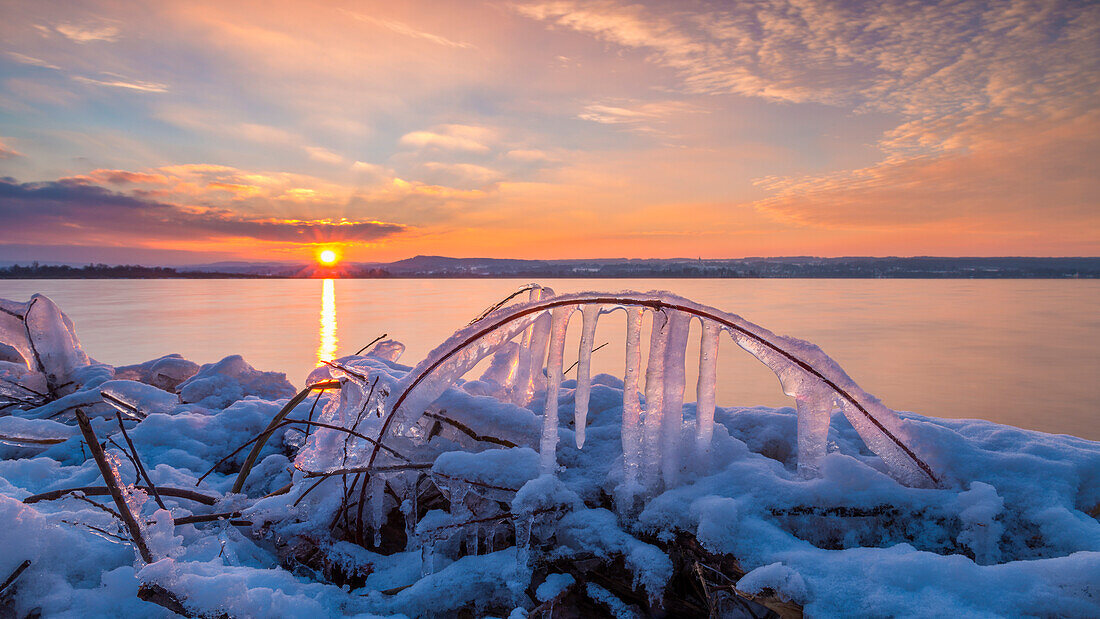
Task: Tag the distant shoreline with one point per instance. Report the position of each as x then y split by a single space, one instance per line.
438 267
549 276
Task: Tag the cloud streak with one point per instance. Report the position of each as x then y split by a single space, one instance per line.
408 31
87 212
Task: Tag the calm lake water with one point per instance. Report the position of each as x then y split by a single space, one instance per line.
1021 352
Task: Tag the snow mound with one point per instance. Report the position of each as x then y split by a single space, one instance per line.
217 385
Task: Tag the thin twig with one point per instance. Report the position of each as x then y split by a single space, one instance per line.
206 518
308 490
137 474
32 441
412 466
307 423
313 408
123 407
463 428
96 505
499 304
113 485
295 401
176 493
10 579
346 370
24 387
137 461
99 530
372 343
578 360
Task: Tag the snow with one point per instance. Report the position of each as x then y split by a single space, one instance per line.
817 504
553 586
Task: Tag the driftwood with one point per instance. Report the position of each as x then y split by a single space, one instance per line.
156 594
113 486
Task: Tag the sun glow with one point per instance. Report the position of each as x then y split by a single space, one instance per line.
327 257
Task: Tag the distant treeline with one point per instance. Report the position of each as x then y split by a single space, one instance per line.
103 271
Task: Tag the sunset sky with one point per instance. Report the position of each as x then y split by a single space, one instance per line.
185 132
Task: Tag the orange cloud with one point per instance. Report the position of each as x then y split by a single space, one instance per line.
1010 174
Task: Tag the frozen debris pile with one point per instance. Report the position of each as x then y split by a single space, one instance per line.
388 490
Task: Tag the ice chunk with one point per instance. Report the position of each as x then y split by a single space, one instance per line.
704 391
166 373
143 398
387 350
10 354
502 371
589 315
549 444
53 343
13 332
19 384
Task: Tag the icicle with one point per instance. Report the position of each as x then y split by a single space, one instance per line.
458 498
378 506
589 315
814 411
491 540
529 366
549 445
631 430
471 540
409 507
523 360
654 400
523 539
672 419
529 374
708 376
427 558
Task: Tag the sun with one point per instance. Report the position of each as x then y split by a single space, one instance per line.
327 257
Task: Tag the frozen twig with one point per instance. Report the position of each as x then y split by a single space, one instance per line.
372 343
113 486
176 493
137 461
295 401
14 575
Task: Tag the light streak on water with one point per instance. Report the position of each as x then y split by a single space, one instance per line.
326 347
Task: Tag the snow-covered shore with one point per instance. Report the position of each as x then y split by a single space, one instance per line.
1011 531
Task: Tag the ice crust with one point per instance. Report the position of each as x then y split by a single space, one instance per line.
1007 534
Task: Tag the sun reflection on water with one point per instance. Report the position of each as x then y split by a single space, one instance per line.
326 347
